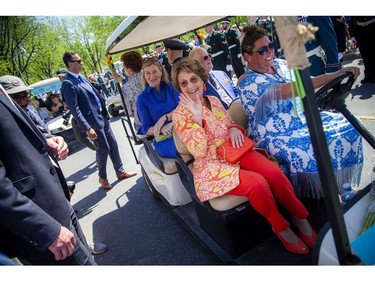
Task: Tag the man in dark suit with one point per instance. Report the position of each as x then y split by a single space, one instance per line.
89 111
219 84
219 50
37 223
174 48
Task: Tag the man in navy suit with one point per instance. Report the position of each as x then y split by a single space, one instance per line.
89 111
37 223
219 83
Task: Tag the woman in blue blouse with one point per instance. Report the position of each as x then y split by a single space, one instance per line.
277 125
155 106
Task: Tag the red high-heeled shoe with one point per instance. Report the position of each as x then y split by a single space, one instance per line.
309 240
297 248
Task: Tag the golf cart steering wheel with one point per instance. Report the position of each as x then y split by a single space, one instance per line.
333 94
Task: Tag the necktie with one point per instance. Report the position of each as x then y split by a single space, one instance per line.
212 81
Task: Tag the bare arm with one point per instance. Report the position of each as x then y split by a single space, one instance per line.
320 80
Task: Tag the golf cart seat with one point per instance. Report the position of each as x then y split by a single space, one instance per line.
221 203
230 220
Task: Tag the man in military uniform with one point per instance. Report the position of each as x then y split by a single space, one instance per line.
363 29
219 50
322 52
234 48
174 48
162 57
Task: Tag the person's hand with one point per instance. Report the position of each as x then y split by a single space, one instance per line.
236 137
352 69
196 108
58 147
167 129
229 67
64 244
158 125
91 134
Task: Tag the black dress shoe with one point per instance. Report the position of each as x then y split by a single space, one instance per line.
97 248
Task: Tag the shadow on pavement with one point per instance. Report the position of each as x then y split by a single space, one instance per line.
142 231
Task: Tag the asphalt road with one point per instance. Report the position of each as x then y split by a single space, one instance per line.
140 230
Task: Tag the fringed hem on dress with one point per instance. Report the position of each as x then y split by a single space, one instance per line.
307 185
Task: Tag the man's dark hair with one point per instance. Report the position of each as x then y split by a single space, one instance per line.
67 57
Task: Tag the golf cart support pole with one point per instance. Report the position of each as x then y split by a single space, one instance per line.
127 119
326 174
292 37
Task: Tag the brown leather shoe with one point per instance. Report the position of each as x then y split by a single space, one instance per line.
105 184
126 175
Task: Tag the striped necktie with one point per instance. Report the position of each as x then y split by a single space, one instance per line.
212 81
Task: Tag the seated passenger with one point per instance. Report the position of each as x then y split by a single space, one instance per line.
20 93
219 84
275 124
155 106
55 104
203 124
131 89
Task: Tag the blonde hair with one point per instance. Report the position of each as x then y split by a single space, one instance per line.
153 61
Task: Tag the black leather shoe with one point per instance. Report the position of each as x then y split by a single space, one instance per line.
97 248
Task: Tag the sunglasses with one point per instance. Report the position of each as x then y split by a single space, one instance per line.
79 61
184 83
264 50
19 97
206 57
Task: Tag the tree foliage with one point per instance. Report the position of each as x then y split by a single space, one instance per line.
32 47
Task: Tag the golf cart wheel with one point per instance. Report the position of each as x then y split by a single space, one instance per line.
150 185
112 110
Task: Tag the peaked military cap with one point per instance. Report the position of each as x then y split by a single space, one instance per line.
174 44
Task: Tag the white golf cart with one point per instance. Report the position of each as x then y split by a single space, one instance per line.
228 226
55 125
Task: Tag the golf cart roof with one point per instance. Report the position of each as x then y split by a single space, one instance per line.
45 86
137 31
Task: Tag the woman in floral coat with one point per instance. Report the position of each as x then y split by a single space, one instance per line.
203 124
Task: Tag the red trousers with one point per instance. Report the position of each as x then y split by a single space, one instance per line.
264 184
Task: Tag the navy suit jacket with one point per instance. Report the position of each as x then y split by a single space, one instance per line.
33 192
83 105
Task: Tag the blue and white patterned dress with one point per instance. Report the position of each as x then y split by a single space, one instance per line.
275 126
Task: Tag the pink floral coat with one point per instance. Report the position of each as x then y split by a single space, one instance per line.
212 176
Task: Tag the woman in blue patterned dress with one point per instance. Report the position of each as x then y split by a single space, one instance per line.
278 125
